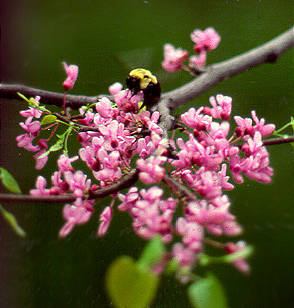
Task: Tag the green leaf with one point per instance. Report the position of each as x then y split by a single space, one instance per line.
129 285
207 293
48 119
9 181
12 222
152 253
54 148
57 146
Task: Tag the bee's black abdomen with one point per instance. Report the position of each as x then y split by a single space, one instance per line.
152 94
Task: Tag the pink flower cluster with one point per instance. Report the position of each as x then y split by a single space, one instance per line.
32 127
205 41
120 137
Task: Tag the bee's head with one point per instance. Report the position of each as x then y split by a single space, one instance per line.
139 79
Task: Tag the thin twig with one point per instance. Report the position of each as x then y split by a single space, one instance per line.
275 141
179 187
9 91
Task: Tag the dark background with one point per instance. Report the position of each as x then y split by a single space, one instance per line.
106 39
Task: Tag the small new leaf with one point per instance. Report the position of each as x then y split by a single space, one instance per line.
9 181
48 119
57 146
152 253
130 285
207 293
12 222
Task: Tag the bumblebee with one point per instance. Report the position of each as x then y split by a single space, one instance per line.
140 79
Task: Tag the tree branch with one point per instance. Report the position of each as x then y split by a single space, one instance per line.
127 181
266 53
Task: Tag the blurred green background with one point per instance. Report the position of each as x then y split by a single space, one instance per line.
106 39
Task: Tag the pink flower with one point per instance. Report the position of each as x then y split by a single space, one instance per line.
104 108
222 107
88 155
64 163
198 61
129 199
40 187
253 145
245 126
236 168
205 40
72 75
191 232
60 186
114 134
41 161
25 141
257 167
150 121
217 220
194 119
150 219
185 256
31 127
77 213
173 58
127 101
150 170
78 182
265 130
31 112
240 264
115 88
105 218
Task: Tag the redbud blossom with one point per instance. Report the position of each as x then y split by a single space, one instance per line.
173 58
31 112
41 161
151 170
198 61
222 107
78 182
104 108
217 220
105 218
205 40
240 264
191 232
194 119
40 187
72 75
185 256
77 213
64 163
115 88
